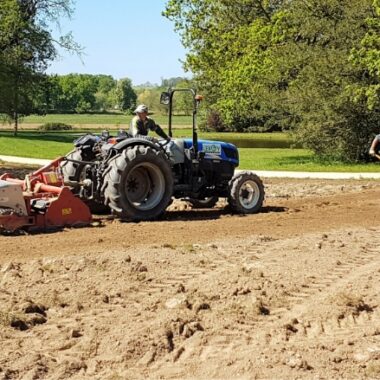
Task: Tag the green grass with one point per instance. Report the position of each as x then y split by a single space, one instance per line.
296 160
243 140
50 145
100 119
36 145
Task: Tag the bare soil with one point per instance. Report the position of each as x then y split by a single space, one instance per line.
290 293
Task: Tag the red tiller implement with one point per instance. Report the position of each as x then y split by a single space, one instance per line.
40 202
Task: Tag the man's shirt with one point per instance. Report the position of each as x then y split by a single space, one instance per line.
140 127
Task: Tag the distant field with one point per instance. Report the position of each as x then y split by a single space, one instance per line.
263 157
100 119
242 140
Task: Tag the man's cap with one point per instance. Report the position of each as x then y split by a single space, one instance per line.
142 108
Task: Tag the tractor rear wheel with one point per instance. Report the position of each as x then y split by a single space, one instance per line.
138 184
246 193
209 202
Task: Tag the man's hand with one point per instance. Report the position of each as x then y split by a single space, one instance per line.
372 153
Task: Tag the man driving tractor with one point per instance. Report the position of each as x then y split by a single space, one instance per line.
141 124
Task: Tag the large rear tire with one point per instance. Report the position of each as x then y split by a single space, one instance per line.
246 193
138 184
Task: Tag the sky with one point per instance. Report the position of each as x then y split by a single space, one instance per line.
123 38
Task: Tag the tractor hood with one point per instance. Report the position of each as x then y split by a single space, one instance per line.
216 150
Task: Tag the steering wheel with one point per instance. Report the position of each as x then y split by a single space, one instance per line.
167 142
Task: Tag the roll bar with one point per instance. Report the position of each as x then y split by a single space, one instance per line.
167 99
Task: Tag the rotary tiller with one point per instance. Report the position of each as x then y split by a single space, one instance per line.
40 202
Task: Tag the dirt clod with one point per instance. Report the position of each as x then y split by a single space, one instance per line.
169 340
180 300
148 358
201 306
76 333
19 324
33 308
298 363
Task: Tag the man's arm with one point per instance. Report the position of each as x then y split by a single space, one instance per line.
156 128
161 133
375 142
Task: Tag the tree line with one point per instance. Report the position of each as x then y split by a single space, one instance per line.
81 93
87 93
27 47
308 66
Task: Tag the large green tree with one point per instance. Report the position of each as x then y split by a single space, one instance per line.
26 48
151 98
103 96
314 60
308 65
183 101
73 93
366 58
228 45
124 95
79 93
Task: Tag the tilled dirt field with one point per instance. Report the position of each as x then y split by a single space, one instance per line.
292 292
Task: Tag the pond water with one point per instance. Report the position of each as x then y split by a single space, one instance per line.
253 143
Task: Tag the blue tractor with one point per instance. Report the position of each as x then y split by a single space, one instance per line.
136 178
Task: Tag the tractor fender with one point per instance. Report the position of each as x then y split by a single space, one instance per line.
122 145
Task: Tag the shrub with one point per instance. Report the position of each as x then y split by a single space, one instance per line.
213 122
55 127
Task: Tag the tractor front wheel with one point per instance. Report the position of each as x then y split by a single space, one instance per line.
246 193
138 184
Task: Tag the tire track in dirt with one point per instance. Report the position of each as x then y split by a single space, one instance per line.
342 326
340 271
175 279
228 260
362 263
261 260
222 261
338 328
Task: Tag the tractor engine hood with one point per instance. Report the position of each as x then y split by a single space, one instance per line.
216 150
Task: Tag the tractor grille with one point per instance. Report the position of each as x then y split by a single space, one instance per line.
231 153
